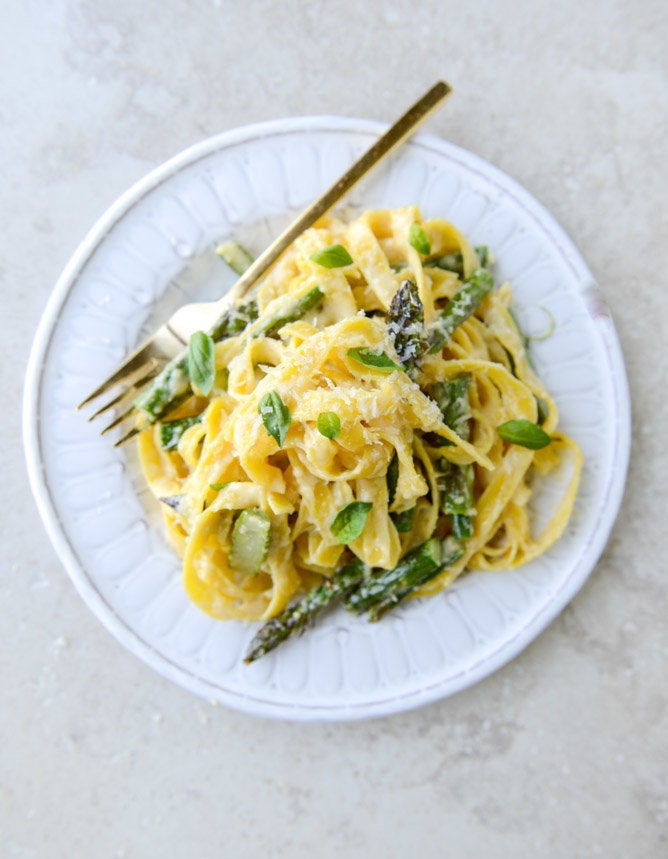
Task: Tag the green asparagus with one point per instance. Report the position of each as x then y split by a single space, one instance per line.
455 261
376 593
295 617
234 321
171 431
250 541
462 304
403 521
296 311
452 398
456 484
378 585
172 386
406 326
236 256
412 579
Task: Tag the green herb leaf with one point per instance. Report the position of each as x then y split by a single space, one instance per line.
524 433
418 239
335 256
201 362
329 424
219 486
378 361
349 522
275 416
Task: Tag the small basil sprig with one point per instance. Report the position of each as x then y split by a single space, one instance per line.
418 239
349 522
275 416
524 433
335 256
329 424
201 362
378 361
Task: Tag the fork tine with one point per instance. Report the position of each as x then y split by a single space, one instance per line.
128 435
135 362
119 420
131 391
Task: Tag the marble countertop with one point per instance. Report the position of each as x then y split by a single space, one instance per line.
563 752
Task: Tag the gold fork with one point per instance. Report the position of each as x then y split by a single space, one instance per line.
171 339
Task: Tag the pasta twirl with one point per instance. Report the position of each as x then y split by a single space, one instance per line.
364 412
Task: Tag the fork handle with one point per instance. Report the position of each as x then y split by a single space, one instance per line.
396 133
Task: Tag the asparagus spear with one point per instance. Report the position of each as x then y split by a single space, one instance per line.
456 487
296 311
406 325
452 398
411 580
455 261
236 256
171 431
250 541
376 587
378 593
457 497
462 304
294 618
172 386
234 321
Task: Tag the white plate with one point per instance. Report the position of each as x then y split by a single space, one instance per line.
152 251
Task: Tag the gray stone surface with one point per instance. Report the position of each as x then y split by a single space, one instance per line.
563 753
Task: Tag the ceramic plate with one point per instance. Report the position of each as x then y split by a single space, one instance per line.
154 250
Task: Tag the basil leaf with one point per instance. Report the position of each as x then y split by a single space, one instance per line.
349 522
335 256
329 424
378 361
524 433
418 239
275 416
201 362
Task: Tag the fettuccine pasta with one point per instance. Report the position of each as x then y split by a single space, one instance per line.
326 439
